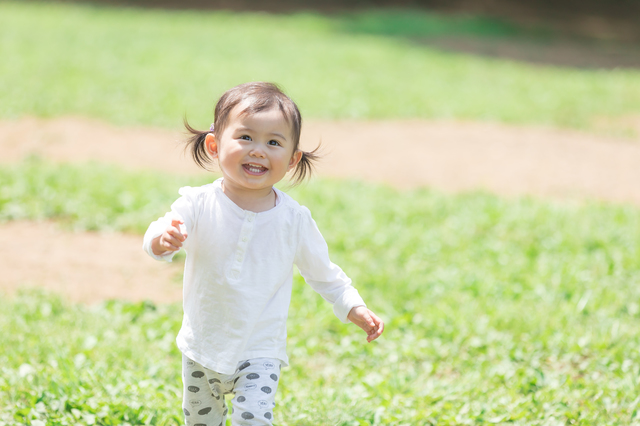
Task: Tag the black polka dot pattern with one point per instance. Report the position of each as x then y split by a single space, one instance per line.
253 387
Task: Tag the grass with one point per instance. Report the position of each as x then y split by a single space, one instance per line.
135 66
520 312
97 197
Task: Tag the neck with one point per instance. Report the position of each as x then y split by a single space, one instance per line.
253 200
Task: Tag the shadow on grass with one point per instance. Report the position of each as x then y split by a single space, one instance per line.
493 37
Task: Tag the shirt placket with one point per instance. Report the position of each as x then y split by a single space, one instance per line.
241 250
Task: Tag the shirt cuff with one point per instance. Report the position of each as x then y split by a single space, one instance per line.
347 301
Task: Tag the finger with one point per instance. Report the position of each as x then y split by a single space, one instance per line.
376 319
175 232
170 243
179 225
374 335
363 317
377 332
366 323
371 337
372 319
169 247
369 316
175 239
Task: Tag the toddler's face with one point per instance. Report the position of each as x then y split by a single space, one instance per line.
254 151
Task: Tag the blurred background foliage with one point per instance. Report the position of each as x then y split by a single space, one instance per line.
617 19
152 66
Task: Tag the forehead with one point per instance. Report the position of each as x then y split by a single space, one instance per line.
271 119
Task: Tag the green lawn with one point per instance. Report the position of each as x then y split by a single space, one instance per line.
499 311
130 66
519 311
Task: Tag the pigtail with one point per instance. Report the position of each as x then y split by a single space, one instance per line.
197 146
305 166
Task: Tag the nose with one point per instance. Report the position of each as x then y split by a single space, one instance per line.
257 152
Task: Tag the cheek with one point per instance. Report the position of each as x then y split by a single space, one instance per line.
287 161
230 151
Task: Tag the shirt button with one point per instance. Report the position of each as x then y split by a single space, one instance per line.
244 238
250 219
239 258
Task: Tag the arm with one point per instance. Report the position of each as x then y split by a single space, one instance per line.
328 279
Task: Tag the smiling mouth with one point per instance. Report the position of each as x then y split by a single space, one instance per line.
254 169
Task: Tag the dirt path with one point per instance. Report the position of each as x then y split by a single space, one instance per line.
449 156
85 267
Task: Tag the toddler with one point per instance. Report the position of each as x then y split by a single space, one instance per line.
242 237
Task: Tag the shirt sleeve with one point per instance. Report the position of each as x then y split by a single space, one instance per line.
325 277
183 208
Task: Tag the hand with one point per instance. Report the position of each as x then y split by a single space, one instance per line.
170 240
368 321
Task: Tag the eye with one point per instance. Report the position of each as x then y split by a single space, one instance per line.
245 137
273 142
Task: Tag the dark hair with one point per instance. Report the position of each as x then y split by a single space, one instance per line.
261 97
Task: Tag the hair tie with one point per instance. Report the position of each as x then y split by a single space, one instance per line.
211 128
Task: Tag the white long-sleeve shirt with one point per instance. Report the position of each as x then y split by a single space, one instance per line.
239 272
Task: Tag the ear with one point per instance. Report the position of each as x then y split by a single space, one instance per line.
211 145
295 159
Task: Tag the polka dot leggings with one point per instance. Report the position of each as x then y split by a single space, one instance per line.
254 384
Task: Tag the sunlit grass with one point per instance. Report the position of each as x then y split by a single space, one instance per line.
498 311
131 66
86 197
517 311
